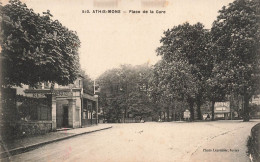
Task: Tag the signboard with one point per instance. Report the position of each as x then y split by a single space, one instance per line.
222 107
222 104
43 94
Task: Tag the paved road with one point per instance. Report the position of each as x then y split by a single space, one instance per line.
153 142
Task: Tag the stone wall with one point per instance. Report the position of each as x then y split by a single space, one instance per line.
31 128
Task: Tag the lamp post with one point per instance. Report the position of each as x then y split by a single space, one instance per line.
96 97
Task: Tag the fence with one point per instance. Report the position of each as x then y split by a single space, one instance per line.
131 120
88 122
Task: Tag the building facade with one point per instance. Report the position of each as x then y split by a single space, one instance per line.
89 110
61 106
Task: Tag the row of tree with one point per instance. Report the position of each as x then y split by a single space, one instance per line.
201 65
124 92
197 66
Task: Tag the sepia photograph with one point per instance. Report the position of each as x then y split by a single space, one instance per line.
130 80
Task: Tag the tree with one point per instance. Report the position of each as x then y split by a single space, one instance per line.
216 91
112 94
139 104
215 85
157 94
88 83
128 86
35 48
236 43
114 110
186 45
176 82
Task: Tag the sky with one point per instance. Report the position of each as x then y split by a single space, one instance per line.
109 40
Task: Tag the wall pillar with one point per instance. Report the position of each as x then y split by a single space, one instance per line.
71 112
80 114
53 112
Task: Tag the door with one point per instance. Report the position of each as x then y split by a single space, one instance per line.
65 116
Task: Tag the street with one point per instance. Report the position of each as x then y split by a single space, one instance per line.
222 141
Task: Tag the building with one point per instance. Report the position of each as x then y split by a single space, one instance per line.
90 109
62 105
59 107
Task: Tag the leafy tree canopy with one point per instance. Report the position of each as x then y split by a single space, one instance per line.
187 62
36 48
236 43
88 83
128 87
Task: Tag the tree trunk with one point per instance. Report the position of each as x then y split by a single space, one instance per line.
212 110
125 115
246 116
191 104
174 112
198 103
168 114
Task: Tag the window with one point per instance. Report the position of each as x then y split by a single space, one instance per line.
44 113
89 107
35 109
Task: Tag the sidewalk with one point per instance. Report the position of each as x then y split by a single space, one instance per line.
30 143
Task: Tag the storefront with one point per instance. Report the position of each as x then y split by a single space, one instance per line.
58 107
64 108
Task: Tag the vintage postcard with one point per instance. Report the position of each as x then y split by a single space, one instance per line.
130 80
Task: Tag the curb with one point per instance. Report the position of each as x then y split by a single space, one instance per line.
24 149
